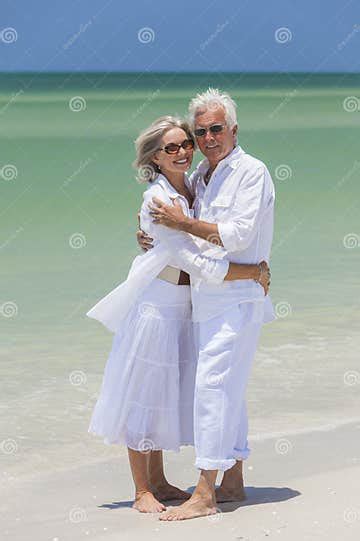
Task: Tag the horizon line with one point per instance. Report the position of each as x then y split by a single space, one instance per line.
170 72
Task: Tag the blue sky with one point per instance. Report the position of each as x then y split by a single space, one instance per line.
165 35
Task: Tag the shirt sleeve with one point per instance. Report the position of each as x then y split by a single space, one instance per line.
252 200
185 253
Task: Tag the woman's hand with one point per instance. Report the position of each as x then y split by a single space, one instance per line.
264 276
144 241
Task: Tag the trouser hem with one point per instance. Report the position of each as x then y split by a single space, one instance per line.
209 464
242 455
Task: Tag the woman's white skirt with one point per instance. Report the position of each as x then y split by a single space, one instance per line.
147 392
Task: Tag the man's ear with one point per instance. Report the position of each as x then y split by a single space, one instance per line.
234 132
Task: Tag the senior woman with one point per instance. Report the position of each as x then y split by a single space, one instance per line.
146 398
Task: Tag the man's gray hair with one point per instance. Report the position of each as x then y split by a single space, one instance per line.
211 100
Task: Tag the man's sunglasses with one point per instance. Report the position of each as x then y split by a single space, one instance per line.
215 128
173 148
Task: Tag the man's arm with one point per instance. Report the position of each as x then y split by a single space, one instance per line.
173 217
235 234
185 253
204 230
187 256
143 240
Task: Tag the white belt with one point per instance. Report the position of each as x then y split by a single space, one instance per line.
170 274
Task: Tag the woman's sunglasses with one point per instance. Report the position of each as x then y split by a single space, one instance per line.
173 148
215 128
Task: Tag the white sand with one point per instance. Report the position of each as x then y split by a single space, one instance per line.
304 487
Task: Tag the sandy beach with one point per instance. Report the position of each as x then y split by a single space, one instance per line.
299 487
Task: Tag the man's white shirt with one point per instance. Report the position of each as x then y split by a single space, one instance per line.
239 198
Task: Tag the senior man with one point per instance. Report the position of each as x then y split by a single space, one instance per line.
233 214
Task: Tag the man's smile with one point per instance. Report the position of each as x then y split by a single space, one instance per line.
212 146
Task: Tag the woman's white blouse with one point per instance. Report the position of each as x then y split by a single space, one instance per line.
183 248
171 247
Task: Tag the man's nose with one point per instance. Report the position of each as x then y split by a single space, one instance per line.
208 137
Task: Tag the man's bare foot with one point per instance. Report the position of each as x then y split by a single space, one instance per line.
193 508
224 494
169 492
145 502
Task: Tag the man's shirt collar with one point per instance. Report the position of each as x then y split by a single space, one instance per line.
231 159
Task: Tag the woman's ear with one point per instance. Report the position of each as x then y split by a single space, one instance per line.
155 165
155 158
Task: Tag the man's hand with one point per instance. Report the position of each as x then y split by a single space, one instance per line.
173 216
144 241
170 216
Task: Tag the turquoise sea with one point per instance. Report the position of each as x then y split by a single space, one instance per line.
68 219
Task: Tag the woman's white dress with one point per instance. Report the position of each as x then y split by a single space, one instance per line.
146 396
146 399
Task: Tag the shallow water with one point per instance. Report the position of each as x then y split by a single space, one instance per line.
67 238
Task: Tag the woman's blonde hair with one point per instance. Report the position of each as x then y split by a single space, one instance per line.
149 142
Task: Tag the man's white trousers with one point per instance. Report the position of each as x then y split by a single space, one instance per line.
227 345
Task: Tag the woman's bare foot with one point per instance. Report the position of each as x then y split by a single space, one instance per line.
196 506
170 492
145 502
224 494
159 485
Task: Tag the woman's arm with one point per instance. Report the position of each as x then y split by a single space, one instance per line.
187 256
260 273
